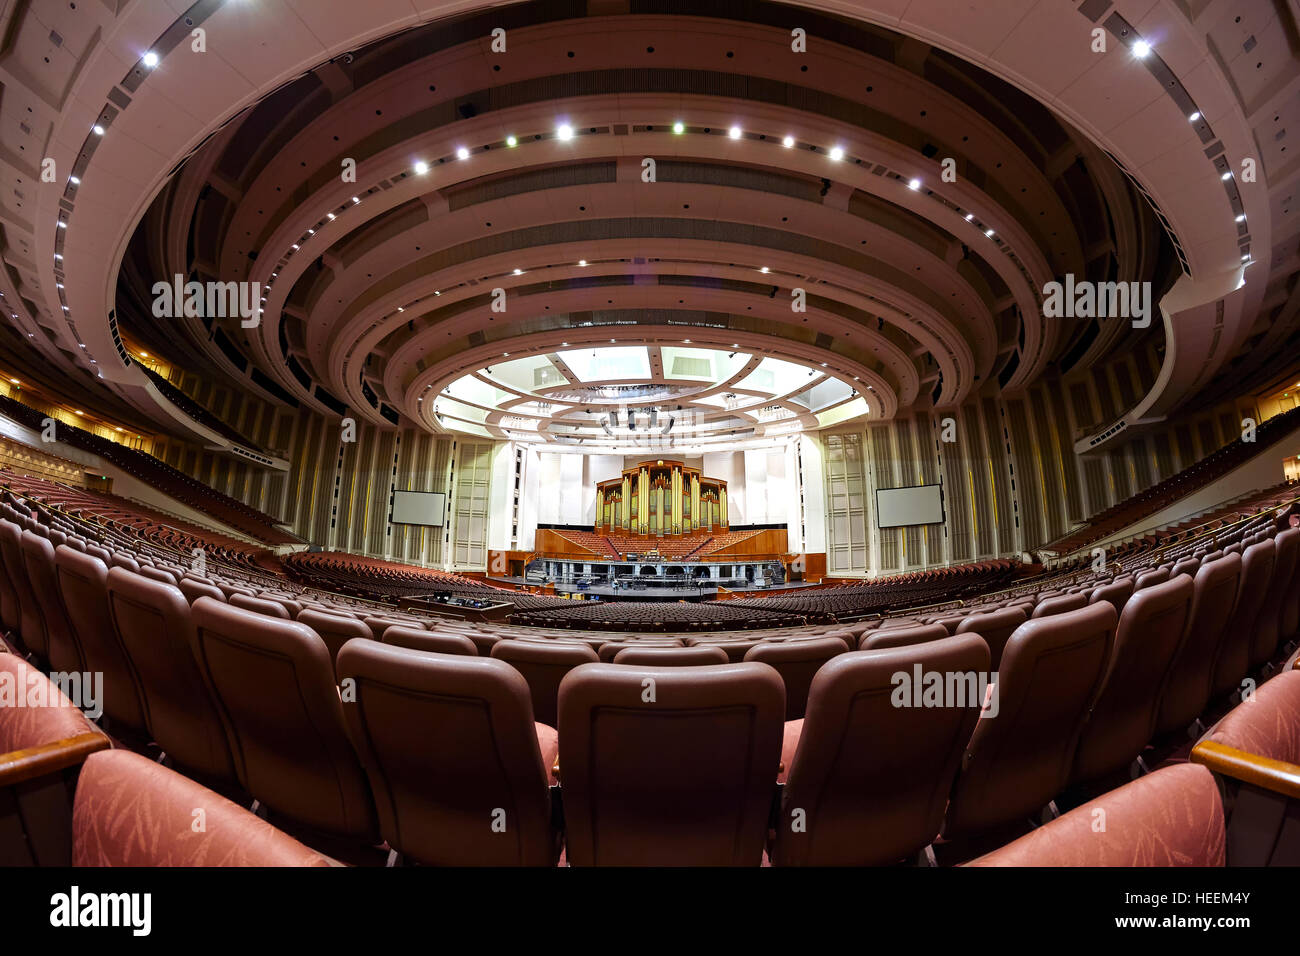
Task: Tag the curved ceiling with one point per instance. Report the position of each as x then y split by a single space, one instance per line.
503 202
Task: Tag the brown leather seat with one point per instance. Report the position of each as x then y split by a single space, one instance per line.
1150 635
543 666
888 637
675 772
153 625
334 629
869 780
10 612
378 625
1214 594
130 811
1116 592
419 639
63 650
1232 662
996 627
193 590
474 793
671 656
1268 625
1019 760
1172 817
1188 565
43 739
1060 604
1147 578
1289 620
798 663
273 681
83 583
259 606
610 649
158 574
31 622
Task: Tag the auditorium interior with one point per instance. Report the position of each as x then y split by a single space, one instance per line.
649 433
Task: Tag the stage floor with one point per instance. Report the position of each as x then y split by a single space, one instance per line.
606 593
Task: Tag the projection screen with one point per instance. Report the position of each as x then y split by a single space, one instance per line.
901 507
419 507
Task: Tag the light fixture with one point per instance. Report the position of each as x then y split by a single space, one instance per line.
97 130
62 224
144 355
511 141
462 153
421 167
679 127
1194 116
74 180
582 262
295 245
734 132
1241 218
1141 48
401 309
788 142
914 184
150 59
1226 176
355 200
686 341
988 232
837 153
1246 257
78 412
519 272
564 131
765 270
15 381
969 216
331 215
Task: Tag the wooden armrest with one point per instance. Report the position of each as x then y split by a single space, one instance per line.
20 765
1276 775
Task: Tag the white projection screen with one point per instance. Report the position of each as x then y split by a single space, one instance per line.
419 507
901 507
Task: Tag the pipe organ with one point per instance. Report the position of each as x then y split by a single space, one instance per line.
661 498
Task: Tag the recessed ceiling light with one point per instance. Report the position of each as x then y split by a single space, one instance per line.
401 308
837 153
330 214
788 142
511 141
144 355
969 216
421 167
988 232
355 200
1226 176
1246 257
74 180
462 153
564 344
519 272
1141 48
914 184
295 245
97 130
1192 118
582 262
679 127
1241 218
765 270
150 59
62 224
564 131
734 132
686 341
15 381
78 412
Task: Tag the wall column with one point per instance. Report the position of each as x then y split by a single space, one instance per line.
695 502
625 521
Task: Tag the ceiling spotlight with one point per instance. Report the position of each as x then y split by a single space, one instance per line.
734 132
564 131
1141 48
401 308
765 270
295 245
150 59
331 215
1226 176
97 130
1246 257
74 180
837 153
519 272
914 184
462 153
144 355
62 224
511 141
679 127
421 168
1241 218
969 216
989 233
78 412
788 142
15 381
564 345
1194 117
582 262
355 200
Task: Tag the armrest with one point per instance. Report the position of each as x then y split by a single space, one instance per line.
1265 772
31 762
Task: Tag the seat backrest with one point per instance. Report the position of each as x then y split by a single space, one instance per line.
334 629
10 612
193 590
158 574
610 649
869 781
63 650
1150 634
259 606
475 797
1187 691
1185 566
671 656
542 666
1232 662
996 627
273 681
1020 758
886 637
122 797
83 584
1267 725
31 620
378 625
154 628
1267 631
798 663
1060 605
1116 592
418 639
120 560
679 771
1148 578
1172 817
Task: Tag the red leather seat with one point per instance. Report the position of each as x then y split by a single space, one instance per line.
887 637
421 640
1232 661
671 656
543 665
798 663
996 627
